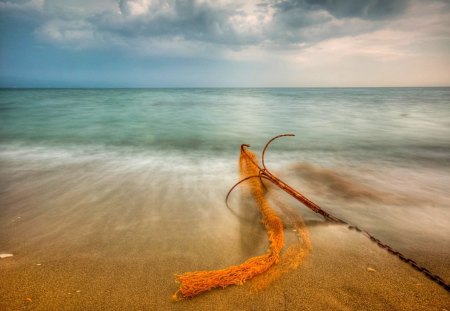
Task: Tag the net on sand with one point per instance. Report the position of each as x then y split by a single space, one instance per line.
197 282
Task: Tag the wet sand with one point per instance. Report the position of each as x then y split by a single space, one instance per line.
335 276
91 236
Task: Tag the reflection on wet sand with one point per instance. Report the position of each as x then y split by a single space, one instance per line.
121 227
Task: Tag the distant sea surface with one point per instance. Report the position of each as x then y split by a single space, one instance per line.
367 124
142 158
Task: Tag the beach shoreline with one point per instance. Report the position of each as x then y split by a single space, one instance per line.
116 240
345 271
106 195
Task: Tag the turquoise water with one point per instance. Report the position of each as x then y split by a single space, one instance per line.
392 124
143 159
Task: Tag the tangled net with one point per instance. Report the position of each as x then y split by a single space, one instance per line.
197 282
295 253
194 283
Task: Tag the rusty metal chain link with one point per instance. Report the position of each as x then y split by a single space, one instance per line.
264 173
402 257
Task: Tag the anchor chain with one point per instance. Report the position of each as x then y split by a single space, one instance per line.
266 174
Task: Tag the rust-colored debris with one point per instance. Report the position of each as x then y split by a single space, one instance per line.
197 282
294 255
194 283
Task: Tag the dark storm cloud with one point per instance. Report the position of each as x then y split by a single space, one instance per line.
232 24
364 9
310 21
292 22
185 19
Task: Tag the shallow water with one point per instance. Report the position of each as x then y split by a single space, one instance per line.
123 173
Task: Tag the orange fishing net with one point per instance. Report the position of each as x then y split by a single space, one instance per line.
294 255
197 282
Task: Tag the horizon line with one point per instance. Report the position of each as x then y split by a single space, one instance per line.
212 87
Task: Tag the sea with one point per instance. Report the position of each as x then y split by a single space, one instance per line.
101 167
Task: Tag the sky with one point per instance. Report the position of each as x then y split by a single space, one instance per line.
224 43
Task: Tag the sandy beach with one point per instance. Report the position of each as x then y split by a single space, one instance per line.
109 236
334 277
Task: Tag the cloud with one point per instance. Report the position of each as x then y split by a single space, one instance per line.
77 33
367 9
144 7
21 5
189 20
305 22
225 28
